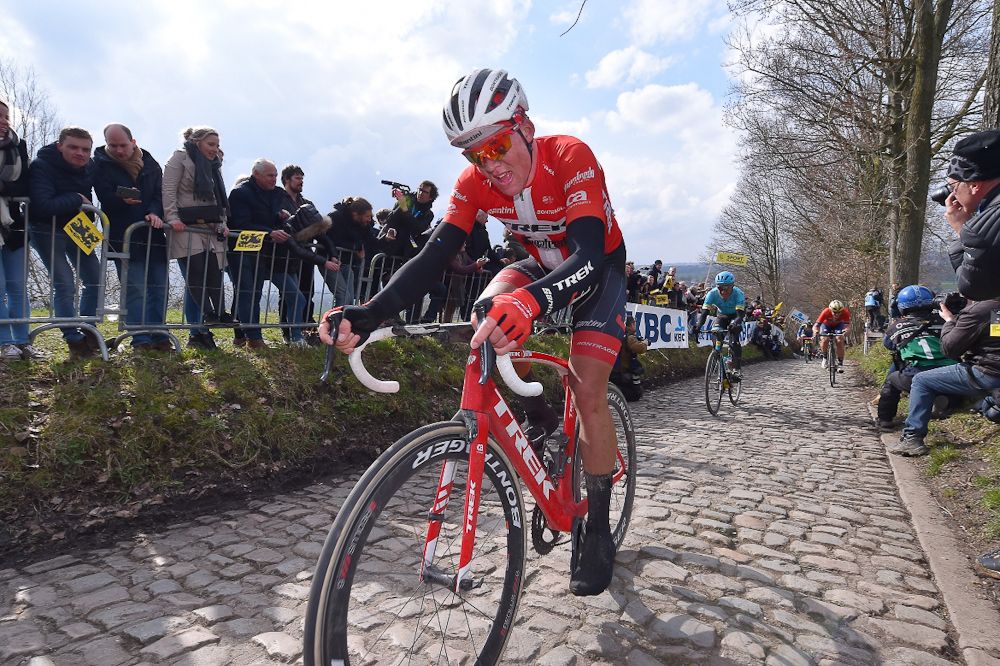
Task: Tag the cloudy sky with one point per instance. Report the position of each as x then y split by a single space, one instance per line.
352 91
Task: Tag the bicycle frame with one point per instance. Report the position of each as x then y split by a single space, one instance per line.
487 414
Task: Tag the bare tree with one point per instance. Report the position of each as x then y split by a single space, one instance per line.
34 118
991 107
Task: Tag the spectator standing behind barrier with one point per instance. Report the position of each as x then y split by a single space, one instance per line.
257 205
633 282
411 217
118 164
14 338
873 308
304 224
60 180
345 240
657 272
194 198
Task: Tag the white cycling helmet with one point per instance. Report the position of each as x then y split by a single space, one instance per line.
480 105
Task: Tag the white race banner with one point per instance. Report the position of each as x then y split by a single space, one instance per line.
705 337
662 328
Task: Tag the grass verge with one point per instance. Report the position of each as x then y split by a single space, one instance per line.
85 443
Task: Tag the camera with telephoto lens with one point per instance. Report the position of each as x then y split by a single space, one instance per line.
940 194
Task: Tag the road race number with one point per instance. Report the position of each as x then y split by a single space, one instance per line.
250 241
84 232
995 324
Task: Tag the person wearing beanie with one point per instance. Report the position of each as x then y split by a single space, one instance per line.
972 209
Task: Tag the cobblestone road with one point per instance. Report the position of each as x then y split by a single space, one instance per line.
772 534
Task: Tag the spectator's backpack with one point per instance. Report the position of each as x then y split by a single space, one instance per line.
917 342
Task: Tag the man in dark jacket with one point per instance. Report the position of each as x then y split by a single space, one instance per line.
257 205
973 211
60 180
351 229
966 337
120 167
411 218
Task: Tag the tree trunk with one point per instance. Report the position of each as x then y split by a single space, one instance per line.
991 108
928 35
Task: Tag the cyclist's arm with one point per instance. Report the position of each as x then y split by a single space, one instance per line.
416 276
580 270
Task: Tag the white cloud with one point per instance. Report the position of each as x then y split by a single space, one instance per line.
682 109
628 65
652 21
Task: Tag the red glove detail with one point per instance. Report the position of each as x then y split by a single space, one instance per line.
514 313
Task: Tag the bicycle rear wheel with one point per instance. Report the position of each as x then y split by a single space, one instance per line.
713 383
735 391
369 602
623 491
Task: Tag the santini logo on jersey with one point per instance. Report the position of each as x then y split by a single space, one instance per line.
575 278
579 178
458 195
503 210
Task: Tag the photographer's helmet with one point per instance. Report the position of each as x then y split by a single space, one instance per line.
481 104
724 278
914 297
836 306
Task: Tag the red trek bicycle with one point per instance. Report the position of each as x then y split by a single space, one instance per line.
415 570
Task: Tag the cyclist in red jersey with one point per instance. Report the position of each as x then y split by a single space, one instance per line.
835 318
550 193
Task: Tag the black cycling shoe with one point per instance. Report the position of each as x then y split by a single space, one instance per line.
539 426
596 565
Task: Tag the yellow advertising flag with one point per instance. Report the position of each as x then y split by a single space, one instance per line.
250 241
731 258
777 307
84 232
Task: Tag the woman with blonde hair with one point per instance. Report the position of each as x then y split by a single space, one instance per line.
196 208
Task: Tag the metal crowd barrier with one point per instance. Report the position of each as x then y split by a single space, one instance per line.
63 300
149 294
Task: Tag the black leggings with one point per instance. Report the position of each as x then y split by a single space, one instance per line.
204 283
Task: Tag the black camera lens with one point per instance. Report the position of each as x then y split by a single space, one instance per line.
940 193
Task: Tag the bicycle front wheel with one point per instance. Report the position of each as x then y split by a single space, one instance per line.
713 382
373 600
831 359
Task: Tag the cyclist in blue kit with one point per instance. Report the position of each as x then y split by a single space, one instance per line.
730 306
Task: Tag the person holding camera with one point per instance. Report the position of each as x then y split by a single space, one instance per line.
627 369
965 337
410 218
129 185
971 198
915 342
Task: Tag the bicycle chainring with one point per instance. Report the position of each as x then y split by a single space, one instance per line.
543 538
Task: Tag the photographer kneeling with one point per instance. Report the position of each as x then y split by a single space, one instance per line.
627 369
964 337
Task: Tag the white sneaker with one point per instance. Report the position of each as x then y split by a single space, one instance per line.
29 351
10 353
298 344
825 363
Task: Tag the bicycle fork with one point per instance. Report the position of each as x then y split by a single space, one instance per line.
470 513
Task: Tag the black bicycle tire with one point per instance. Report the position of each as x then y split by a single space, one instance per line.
711 374
352 527
617 399
831 358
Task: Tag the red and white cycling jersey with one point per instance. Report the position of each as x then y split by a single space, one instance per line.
568 184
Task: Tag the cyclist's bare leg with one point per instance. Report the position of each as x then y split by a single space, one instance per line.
824 342
840 348
588 380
